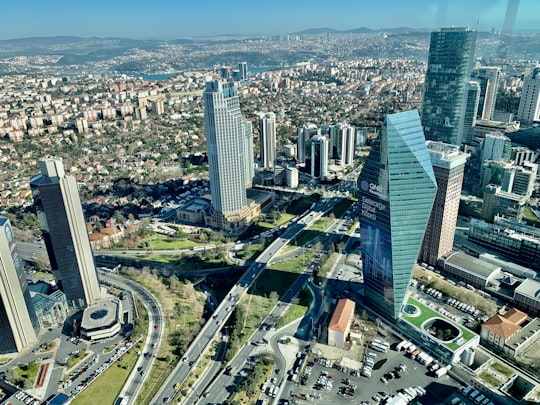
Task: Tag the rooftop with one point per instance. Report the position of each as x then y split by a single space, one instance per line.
342 315
529 288
100 315
473 265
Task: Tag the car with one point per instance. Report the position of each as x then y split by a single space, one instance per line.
184 359
384 380
176 386
376 398
191 363
156 326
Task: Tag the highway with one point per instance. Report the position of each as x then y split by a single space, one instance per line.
214 325
144 364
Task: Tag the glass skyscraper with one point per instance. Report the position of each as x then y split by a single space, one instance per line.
19 324
450 62
230 155
61 219
397 188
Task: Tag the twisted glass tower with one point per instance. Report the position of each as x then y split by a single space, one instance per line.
397 188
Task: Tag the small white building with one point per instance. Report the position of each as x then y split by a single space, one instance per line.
340 324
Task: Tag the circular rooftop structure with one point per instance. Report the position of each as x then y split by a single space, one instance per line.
441 329
410 310
101 320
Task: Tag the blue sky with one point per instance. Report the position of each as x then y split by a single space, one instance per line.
166 19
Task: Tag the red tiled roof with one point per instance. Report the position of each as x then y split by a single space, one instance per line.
342 315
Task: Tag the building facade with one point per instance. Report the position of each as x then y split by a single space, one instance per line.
342 143
319 156
450 61
61 219
529 104
304 134
488 78
471 109
267 137
19 324
448 165
516 241
397 188
227 139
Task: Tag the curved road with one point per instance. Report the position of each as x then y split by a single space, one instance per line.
155 316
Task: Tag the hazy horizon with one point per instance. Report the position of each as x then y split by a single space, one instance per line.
171 19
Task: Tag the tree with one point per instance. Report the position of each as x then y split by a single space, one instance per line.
12 375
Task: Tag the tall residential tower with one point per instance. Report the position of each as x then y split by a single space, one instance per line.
62 223
267 137
448 165
450 61
18 321
529 104
397 188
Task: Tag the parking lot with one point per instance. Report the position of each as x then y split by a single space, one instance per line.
335 385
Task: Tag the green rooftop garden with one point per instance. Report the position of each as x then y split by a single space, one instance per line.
426 313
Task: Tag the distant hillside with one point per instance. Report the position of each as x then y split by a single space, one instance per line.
360 30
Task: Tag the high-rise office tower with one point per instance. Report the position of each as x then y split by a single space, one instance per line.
488 79
228 159
319 156
267 137
496 147
450 61
243 68
18 321
304 133
529 104
60 214
249 158
342 143
226 73
448 165
471 109
397 188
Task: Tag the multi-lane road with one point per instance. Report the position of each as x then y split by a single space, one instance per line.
222 313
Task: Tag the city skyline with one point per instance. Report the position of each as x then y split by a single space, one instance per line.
175 20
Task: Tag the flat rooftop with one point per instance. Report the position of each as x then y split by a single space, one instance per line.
100 315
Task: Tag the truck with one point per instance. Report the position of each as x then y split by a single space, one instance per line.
442 371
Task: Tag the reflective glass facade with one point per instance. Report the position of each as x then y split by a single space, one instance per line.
397 188
450 61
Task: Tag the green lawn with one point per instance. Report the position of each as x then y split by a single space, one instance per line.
164 242
296 311
325 268
502 369
299 206
283 219
105 389
489 379
321 224
530 217
340 208
250 251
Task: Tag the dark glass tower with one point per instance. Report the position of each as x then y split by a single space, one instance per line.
397 188
450 61
62 223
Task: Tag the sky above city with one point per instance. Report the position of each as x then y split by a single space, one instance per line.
169 19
